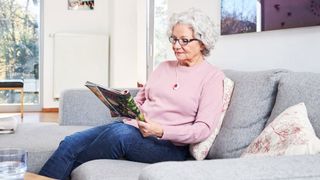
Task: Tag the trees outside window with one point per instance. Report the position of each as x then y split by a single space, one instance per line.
19 47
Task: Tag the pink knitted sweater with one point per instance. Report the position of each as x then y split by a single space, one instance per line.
187 114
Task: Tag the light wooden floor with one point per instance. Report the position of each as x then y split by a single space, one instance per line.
35 117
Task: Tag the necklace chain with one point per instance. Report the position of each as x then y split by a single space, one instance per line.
176 85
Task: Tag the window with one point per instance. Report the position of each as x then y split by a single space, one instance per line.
158 38
19 49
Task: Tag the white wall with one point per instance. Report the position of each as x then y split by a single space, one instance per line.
295 49
57 18
124 50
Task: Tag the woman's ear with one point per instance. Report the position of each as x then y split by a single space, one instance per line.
202 46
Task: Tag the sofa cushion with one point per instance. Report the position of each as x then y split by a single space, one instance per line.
290 133
40 140
108 169
296 87
250 107
253 168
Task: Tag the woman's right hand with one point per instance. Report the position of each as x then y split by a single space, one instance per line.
150 128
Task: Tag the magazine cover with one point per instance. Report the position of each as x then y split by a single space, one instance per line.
120 102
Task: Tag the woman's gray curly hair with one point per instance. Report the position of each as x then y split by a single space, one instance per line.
201 24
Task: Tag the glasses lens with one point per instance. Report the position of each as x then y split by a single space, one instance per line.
184 42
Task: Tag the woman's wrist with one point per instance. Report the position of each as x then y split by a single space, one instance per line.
159 132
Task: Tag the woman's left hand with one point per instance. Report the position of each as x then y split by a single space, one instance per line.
150 128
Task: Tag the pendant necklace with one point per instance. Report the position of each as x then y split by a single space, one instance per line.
176 85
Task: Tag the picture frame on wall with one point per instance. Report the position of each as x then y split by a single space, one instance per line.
238 16
243 16
81 5
284 14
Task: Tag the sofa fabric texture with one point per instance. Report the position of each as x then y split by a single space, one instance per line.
250 107
40 140
75 101
108 170
267 168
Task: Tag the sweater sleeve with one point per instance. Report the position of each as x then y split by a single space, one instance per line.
209 112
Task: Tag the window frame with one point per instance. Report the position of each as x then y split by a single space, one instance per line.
9 108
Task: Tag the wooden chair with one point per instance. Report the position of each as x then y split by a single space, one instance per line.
14 84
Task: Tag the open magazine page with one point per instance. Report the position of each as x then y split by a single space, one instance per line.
96 91
119 101
123 102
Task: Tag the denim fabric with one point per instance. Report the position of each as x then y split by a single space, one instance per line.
112 141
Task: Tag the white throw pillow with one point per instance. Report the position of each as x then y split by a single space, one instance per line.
200 150
291 133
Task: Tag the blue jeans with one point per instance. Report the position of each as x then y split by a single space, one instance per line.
111 141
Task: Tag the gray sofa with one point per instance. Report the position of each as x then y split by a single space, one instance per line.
258 97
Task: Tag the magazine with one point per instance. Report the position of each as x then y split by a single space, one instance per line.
119 102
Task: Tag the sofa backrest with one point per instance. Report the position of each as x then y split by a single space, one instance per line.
82 107
250 107
296 87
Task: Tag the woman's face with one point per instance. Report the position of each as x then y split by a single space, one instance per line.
190 52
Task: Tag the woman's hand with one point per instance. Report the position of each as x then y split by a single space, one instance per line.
150 128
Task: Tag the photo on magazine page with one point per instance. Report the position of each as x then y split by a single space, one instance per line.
119 101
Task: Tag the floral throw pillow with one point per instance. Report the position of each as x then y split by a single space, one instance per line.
200 150
291 133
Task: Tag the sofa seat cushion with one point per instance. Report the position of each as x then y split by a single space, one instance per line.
253 168
108 169
296 87
40 140
250 107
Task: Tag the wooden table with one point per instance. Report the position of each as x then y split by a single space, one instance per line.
32 176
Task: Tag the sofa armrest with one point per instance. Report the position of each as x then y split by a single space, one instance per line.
82 107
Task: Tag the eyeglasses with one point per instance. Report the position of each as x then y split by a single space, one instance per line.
182 42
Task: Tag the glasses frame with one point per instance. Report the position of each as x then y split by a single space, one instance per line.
182 42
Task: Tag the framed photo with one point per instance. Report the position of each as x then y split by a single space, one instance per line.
80 4
286 14
238 16
242 16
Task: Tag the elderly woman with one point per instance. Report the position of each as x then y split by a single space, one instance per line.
181 101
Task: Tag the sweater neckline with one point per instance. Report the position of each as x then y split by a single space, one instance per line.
189 68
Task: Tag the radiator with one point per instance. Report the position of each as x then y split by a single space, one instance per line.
78 58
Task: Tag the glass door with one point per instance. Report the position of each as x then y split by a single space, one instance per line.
20 52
